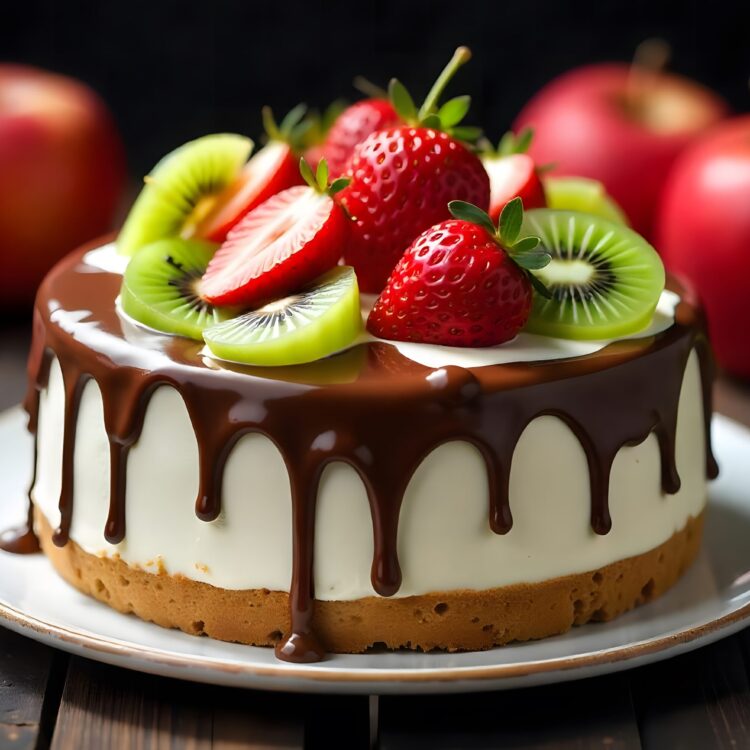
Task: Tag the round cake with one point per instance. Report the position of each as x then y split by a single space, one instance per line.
364 499
507 436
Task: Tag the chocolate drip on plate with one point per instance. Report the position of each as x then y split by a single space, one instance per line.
23 540
370 408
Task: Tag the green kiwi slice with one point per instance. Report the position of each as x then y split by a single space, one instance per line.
181 188
319 321
160 288
582 194
604 279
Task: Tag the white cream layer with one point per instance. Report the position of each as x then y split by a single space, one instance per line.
444 537
526 347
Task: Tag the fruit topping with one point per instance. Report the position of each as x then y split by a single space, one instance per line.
315 323
402 178
317 126
582 194
352 126
160 287
271 169
281 245
604 279
463 282
182 188
513 173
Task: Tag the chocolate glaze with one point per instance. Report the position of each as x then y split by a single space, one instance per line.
370 407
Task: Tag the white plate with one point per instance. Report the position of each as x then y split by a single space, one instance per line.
711 601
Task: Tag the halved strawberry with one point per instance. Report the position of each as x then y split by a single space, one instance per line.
513 173
277 248
272 169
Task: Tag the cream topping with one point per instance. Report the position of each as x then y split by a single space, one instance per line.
526 347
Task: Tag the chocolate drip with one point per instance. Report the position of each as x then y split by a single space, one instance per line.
370 408
707 367
22 540
74 382
301 645
114 530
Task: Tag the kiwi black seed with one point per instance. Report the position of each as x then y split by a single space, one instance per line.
604 279
160 288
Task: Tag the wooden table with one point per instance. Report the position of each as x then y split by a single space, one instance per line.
49 699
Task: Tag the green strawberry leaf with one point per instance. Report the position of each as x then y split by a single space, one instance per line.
269 124
292 120
507 144
368 88
469 212
321 177
539 286
467 133
307 174
523 140
525 244
432 121
531 260
338 185
402 101
454 110
511 143
511 218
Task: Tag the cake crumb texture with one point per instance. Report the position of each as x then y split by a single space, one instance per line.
453 621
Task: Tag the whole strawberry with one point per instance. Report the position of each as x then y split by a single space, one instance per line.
352 126
402 178
463 282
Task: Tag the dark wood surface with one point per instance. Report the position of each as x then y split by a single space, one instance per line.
698 701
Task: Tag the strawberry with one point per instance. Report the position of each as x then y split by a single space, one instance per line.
513 173
316 127
281 245
463 282
352 126
402 178
272 169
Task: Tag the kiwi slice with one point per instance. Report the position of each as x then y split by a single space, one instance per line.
582 194
182 188
160 287
304 327
604 279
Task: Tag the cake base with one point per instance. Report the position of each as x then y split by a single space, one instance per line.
454 621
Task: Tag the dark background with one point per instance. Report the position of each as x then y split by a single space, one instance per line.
173 70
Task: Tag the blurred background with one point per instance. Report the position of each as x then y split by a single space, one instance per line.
174 69
158 73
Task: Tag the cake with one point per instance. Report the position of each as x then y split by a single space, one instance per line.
397 490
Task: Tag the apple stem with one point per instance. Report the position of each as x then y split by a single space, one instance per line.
650 58
460 57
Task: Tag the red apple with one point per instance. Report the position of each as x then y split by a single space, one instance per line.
620 125
703 233
62 171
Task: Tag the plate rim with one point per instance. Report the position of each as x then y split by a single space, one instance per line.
149 658
712 630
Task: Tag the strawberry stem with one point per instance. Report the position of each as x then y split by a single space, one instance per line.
460 57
